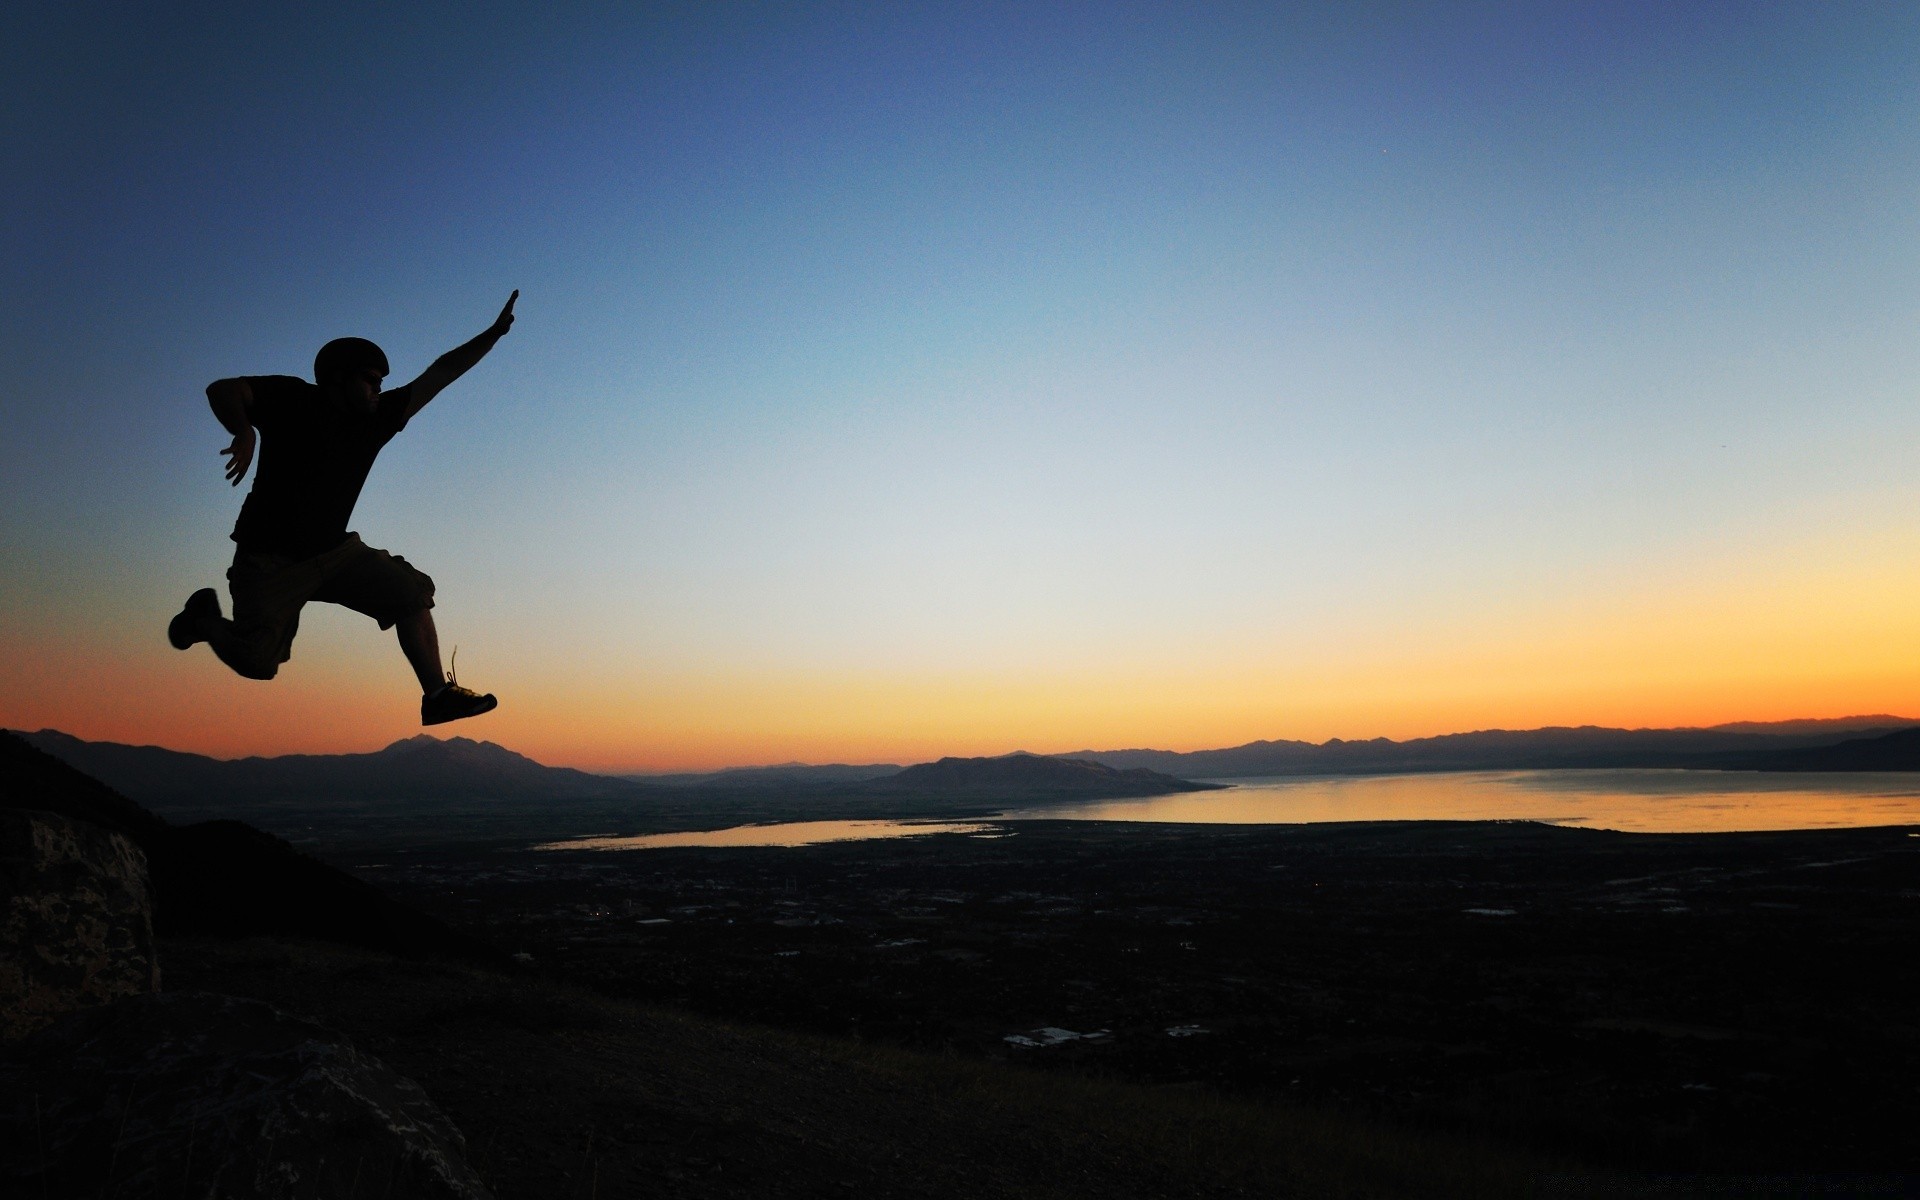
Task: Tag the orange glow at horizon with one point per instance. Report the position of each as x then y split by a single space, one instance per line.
1741 642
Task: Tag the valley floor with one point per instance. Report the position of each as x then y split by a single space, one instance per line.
1728 1004
563 1092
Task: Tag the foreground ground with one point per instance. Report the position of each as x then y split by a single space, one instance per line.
563 1092
1718 1004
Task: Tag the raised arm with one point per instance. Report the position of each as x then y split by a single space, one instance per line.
232 404
457 361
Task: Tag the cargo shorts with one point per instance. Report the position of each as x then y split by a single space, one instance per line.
269 590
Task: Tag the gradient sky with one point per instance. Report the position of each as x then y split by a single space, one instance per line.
894 381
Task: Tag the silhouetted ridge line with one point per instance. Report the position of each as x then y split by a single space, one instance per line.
794 774
1897 751
461 771
1022 775
30 778
1586 746
422 767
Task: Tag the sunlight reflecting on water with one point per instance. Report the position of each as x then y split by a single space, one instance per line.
1639 801
1634 801
797 833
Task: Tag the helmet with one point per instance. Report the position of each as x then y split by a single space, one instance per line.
345 356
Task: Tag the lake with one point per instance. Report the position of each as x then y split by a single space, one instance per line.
793 833
1636 801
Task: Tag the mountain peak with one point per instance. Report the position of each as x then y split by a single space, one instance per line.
1022 774
426 741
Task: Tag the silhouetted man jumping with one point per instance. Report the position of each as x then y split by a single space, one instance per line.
293 544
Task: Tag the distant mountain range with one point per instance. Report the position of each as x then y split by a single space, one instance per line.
1897 751
1712 747
784 774
1028 777
424 771
1016 776
420 768
1742 746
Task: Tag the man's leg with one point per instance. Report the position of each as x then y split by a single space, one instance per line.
194 622
441 699
268 594
393 592
247 657
420 642
200 621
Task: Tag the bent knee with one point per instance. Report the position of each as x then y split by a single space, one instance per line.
247 663
254 668
408 620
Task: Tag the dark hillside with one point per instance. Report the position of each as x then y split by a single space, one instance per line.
1021 776
1897 751
564 1094
32 778
228 878
782 775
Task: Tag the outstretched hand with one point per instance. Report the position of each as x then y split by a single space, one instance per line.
240 456
504 321
457 361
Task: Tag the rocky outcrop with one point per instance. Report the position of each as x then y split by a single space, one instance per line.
138 1094
228 879
194 1094
76 918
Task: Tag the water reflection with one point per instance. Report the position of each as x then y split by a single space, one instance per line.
1635 801
1639 801
797 833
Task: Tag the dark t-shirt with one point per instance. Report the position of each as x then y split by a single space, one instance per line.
314 457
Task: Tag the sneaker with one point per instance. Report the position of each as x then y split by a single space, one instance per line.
186 627
454 703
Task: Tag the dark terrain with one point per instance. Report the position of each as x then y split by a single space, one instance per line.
563 1092
1399 1008
1727 1003
567 1092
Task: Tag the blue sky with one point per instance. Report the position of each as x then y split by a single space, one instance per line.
948 372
